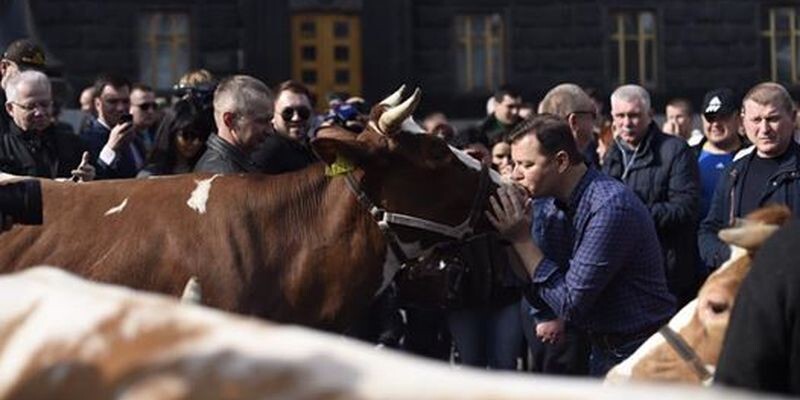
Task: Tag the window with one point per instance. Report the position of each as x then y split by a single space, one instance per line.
633 52
164 48
479 54
780 47
326 52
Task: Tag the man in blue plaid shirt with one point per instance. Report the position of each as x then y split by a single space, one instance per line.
613 282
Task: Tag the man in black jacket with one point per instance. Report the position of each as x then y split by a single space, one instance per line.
243 108
662 171
34 146
769 173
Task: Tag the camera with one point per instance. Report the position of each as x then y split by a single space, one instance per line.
125 118
22 202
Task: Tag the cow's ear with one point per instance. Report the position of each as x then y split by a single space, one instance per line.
747 234
333 151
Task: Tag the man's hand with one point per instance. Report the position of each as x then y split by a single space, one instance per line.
550 331
670 128
85 171
120 135
511 213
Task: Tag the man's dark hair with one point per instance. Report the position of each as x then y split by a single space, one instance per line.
553 134
505 90
114 81
294 87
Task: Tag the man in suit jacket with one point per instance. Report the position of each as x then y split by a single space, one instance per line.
113 144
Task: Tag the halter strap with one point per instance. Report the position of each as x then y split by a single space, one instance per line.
686 353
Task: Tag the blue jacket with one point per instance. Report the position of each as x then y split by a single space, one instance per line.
783 188
665 177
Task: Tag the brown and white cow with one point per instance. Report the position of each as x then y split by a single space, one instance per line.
67 338
297 247
701 324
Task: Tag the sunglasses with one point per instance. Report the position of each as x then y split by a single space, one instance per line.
147 106
302 112
711 118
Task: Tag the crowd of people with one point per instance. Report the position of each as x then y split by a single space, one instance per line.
613 223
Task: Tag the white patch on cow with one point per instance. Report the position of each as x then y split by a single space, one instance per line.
472 163
118 209
199 197
736 253
623 371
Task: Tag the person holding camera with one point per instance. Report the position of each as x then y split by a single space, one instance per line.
118 152
33 145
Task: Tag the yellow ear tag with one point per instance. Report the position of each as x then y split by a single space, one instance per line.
341 166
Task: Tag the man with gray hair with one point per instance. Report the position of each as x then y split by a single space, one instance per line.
243 109
571 103
33 146
21 55
767 173
662 171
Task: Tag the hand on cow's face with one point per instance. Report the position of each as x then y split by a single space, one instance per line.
511 213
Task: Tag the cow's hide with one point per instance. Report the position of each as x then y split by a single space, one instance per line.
64 337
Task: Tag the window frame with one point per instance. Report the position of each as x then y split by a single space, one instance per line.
771 34
143 38
616 20
490 42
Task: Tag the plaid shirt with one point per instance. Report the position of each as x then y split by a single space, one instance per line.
603 268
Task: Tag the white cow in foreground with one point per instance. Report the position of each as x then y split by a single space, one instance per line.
64 337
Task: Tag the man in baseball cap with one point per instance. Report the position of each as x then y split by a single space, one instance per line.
721 141
21 55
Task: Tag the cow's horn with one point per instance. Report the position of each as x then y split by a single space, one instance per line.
394 99
749 236
393 117
192 293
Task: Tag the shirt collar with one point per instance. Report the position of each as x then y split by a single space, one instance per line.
575 197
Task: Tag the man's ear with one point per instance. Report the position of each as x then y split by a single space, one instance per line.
572 121
227 119
562 161
332 150
9 108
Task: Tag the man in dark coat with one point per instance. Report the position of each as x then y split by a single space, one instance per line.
243 108
287 149
769 173
113 143
504 117
662 171
34 146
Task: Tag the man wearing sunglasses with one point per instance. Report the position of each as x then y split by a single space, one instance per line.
287 150
145 114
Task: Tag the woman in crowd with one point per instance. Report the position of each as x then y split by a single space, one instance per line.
180 140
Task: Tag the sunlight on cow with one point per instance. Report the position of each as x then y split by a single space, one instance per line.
702 323
301 247
65 337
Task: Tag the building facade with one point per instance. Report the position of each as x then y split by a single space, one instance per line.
458 51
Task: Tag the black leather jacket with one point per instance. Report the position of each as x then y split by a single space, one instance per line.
224 158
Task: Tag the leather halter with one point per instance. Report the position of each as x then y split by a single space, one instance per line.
385 219
686 353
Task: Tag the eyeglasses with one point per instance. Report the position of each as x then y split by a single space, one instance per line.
147 106
40 105
302 112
